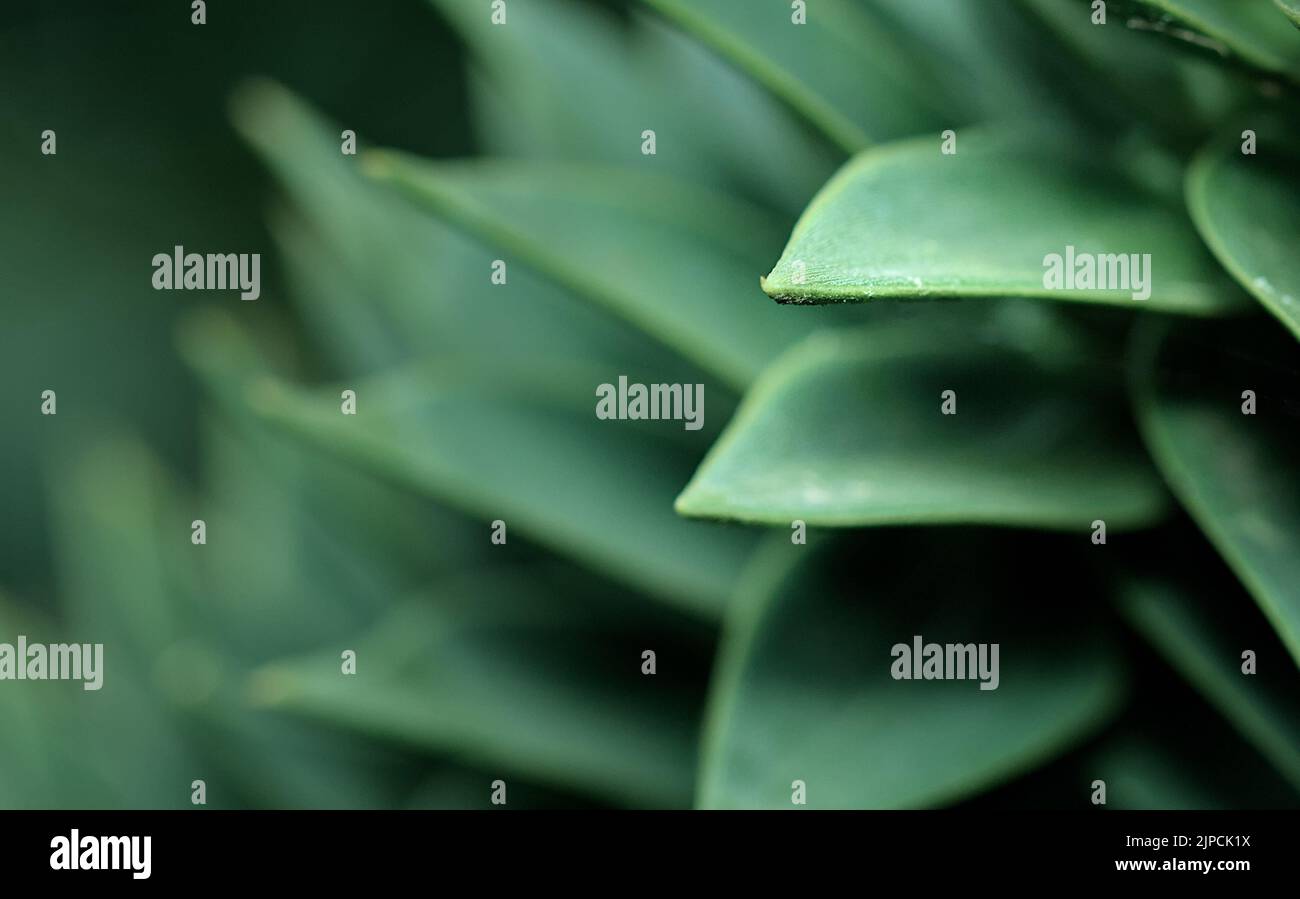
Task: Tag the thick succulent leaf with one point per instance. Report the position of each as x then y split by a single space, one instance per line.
846 70
1246 33
672 259
531 452
907 221
382 282
1291 9
1247 208
1235 473
804 690
848 429
1204 639
518 669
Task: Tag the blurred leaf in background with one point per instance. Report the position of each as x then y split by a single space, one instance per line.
654 627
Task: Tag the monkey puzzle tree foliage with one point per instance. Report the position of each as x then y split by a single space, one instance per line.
994 308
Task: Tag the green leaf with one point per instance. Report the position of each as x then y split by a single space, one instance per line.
122 527
383 283
529 450
804 690
907 221
564 81
672 259
1154 82
560 82
1291 9
518 668
847 429
990 56
263 486
795 160
1235 474
1204 640
846 70
309 546
1247 209
1245 33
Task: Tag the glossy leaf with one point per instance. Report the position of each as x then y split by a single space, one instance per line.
1247 208
804 690
1235 473
908 221
848 429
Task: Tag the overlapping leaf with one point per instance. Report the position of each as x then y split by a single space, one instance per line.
672 259
562 81
118 577
804 691
908 221
845 69
533 454
1243 32
1234 472
849 429
384 283
1247 208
